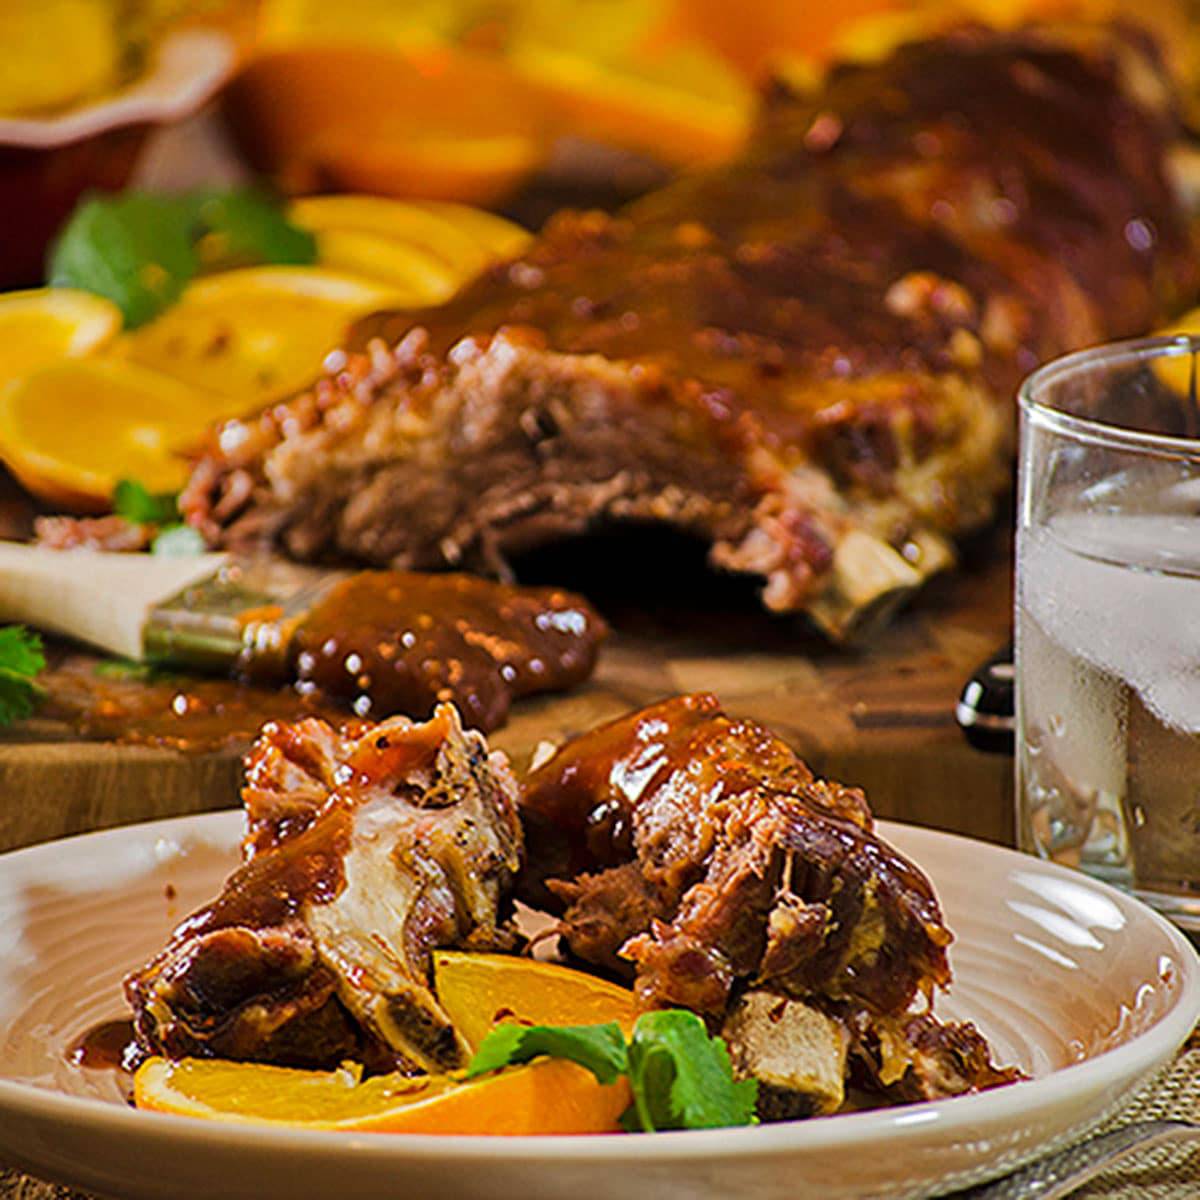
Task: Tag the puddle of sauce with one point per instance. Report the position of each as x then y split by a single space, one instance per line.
399 642
109 1046
381 642
175 712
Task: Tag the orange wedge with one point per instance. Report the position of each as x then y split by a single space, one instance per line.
71 431
480 990
432 122
41 326
257 334
549 1096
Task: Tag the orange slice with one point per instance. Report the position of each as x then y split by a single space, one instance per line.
257 334
71 431
464 239
683 107
41 326
435 123
549 1096
480 990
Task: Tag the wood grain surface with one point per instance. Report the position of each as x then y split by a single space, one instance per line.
879 716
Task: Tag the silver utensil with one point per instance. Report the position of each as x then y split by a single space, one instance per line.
1061 1174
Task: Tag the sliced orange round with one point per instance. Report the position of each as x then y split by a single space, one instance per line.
549 1096
70 432
257 334
478 991
41 326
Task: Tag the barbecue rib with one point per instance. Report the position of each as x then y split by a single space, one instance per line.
703 850
805 358
363 853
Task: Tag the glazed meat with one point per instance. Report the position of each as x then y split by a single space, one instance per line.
805 358
363 853
698 853
747 866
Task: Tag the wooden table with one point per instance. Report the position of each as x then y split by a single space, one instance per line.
879 716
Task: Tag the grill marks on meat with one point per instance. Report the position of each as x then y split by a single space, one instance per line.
816 342
702 851
363 853
751 870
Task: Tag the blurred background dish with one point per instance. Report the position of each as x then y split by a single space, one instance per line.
50 153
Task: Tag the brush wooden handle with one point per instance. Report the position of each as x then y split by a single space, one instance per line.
99 598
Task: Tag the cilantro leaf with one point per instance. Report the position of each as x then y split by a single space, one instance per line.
136 249
139 248
21 658
251 228
682 1078
135 502
599 1048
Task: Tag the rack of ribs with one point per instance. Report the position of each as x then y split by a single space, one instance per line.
364 851
699 854
805 358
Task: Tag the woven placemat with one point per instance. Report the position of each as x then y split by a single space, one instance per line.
1169 1173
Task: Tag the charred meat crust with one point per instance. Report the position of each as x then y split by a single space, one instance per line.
818 340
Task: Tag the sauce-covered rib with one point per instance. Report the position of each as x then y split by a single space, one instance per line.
805 358
363 853
699 852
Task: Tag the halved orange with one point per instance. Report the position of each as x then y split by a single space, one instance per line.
479 991
549 1096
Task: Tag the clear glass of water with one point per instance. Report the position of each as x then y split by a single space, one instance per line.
1108 619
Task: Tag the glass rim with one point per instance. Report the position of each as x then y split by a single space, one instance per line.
1104 433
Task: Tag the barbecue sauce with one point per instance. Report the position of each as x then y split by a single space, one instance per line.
399 642
109 1046
382 642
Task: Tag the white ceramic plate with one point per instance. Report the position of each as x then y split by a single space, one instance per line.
1083 987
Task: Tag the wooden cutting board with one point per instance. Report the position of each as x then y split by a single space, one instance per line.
879 716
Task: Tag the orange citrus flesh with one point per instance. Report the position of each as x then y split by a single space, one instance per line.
462 239
478 991
40 326
71 431
433 122
259 333
549 1096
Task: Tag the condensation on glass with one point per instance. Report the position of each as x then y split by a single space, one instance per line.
1108 619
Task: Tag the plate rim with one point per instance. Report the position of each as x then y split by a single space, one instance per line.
1138 1058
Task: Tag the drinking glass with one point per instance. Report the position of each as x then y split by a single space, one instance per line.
1108 619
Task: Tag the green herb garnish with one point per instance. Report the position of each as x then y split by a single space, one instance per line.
681 1078
139 248
135 502
21 659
